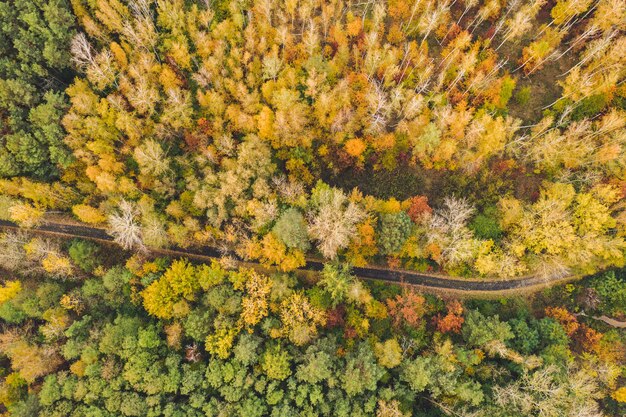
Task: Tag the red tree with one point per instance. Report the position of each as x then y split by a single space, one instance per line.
419 208
406 308
452 321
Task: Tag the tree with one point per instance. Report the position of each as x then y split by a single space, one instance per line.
419 209
254 305
448 230
317 366
526 336
453 320
26 215
31 102
275 363
220 343
389 409
417 373
84 254
563 228
168 296
364 245
564 10
333 219
31 361
620 395
485 225
300 319
13 389
394 231
565 318
9 290
407 308
57 265
274 252
88 214
152 159
388 353
362 373
479 330
336 281
125 228
291 229
573 393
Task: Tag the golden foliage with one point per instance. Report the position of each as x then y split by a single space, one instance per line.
26 215
88 214
300 319
255 303
9 290
31 361
57 264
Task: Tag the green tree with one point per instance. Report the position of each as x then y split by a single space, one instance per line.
336 281
526 337
317 366
276 362
394 230
291 229
486 225
478 330
34 68
417 373
362 373
84 254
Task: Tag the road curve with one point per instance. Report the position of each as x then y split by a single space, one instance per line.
424 281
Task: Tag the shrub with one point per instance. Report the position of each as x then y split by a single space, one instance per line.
523 95
506 92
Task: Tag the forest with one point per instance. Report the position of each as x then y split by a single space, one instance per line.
475 140
128 335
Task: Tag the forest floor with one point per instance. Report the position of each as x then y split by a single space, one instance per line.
401 183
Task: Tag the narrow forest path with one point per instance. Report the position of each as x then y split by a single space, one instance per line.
427 282
608 320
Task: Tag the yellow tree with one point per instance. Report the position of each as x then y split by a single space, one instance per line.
255 303
31 361
26 215
88 214
300 319
9 290
168 296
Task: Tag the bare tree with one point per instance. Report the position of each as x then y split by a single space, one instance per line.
333 221
551 268
449 231
290 190
548 393
82 52
99 67
13 255
125 227
152 158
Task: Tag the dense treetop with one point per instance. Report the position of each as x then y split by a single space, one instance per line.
473 138
34 70
199 123
82 336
